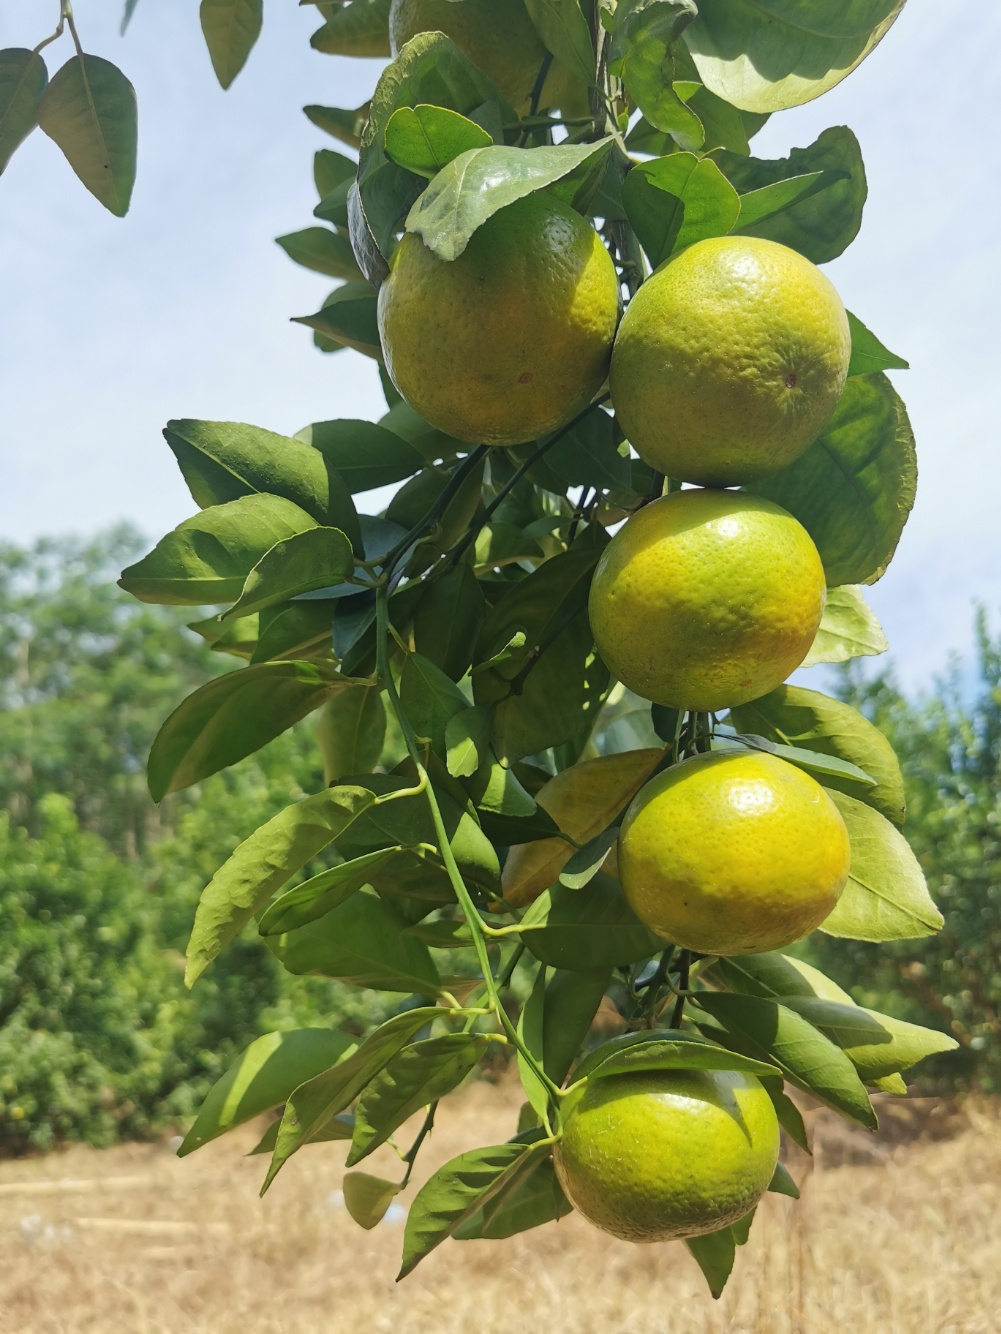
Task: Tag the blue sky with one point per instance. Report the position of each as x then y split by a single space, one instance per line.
109 328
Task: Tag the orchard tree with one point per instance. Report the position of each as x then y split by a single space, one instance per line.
563 768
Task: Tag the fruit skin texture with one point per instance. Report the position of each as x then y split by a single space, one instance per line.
499 37
659 1154
707 599
733 853
729 361
511 339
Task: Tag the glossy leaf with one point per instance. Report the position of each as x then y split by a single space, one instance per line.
667 1050
774 1034
825 219
322 893
677 200
429 699
295 565
586 929
232 716
418 1075
358 29
230 29
776 976
571 1002
876 1044
348 316
23 78
766 55
351 732
478 183
455 1192
643 54
848 629
854 487
423 139
529 1199
262 1077
366 1197
207 557
820 766
563 29
868 353
364 454
292 631
467 741
89 110
263 863
769 200
886 897
322 251
587 861
806 718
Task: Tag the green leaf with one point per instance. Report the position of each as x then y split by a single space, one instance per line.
782 1182
343 123
666 1049
643 51
323 251
443 934
367 1198
790 1118
230 29
478 183
263 863
352 729
825 219
230 717
224 461
571 1003
795 716
587 861
455 1192
886 897
768 200
829 766
358 29
364 454
677 200
23 77
332 170
854 487
418 1075
448 620
714 1253
777 1035
766 55
322 893
848 629
776 976
589 455
297 564
89 110
563 29
585 929
348 316
467 741
292 632
429 699
208 557
868 353
361 942
423 139
262 1077
313 1105
876 1044
529 1199
530 1030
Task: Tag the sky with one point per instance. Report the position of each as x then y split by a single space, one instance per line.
108 328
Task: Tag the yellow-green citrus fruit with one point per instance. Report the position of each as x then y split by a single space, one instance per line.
729 361
733 853
511 339
707 599
499 37
653 1155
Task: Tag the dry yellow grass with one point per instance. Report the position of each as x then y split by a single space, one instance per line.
894 1238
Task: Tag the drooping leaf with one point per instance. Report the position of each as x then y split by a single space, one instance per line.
531 1033
714 1253
449 619
586 929
348 317
262 1077
583 800
232 716
571 1002
360 28
848 628
774 1034
766 55
886 897
643 53
23 78
361 942
478 183
207 557
364 454
853 489
677 200
423 139
876 1044
806 718
563 29
413 1078
341 122
230 28
323 251
824 220
868 353
782 1182
366 1197
352 729
89 110
322 893
529 1199
263 863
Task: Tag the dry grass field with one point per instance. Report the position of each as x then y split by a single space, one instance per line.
894 1235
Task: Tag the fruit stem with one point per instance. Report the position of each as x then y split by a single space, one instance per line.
685 960
544 68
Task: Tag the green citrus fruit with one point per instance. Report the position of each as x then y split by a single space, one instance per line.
733 853
729 361
499 37
511 339
707 599
667 1153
